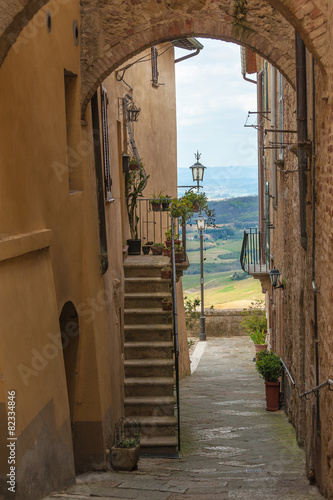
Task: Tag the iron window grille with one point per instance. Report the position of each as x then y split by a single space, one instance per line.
154 70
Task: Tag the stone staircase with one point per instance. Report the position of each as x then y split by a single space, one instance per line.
149 359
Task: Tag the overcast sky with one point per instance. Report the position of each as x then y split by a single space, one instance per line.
212 105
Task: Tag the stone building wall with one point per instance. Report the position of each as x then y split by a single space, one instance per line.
221 323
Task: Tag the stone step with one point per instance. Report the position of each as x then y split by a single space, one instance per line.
158 426
145 300
138 407
157 386
147 350
145 265
149 368
147 317
149 285
150 333
159 445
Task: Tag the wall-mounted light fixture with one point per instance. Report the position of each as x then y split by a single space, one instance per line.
126 162
132 111
274 275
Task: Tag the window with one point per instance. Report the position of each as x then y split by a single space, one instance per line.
154 71
106 150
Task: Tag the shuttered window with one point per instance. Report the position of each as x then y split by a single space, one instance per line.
106 149
154 70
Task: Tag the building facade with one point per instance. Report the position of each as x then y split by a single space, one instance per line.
61 266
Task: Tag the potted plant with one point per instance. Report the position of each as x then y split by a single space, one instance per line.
155 202
255 325
134 164
167 251
269 367
157 248
135 182
166 273
167 304
168 238
198 202
165 200
179 253
145 249
125 453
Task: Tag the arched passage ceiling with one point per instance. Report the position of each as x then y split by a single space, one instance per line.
114 30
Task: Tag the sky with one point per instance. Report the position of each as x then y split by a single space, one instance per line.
213 100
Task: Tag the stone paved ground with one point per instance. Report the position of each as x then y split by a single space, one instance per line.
232 448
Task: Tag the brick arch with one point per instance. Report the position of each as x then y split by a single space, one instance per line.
309 18
110 36
14 16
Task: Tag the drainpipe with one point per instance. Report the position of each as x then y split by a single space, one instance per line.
273 126
260 160
188 56
196 44
315 291
301 98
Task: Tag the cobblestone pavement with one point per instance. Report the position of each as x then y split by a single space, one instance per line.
232 448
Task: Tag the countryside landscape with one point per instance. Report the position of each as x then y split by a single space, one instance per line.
226 285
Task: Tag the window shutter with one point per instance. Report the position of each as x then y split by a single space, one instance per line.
106 150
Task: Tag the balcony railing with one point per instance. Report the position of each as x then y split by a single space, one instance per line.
253 256
152 225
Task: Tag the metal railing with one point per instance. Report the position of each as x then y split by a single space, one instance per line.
253 256
152 225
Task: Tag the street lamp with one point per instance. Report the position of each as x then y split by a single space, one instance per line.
198 170
201 226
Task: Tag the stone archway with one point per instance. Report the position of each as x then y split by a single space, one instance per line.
112 33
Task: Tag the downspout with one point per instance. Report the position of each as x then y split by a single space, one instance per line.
315 291
260 162
249 79
273 126
301 98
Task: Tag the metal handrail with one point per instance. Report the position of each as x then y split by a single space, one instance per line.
288 372
175 324
328 382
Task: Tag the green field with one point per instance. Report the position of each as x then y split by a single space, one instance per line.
221 291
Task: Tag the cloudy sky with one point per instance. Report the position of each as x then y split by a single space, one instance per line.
212 105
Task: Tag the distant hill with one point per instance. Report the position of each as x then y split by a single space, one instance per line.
224 182
241 212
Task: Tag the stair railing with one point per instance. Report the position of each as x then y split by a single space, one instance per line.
175 323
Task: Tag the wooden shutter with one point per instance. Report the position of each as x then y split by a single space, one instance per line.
106 149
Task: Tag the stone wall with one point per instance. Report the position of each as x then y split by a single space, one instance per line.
221 323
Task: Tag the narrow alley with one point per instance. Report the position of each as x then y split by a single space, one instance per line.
232 448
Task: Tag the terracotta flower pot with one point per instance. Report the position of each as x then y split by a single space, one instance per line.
124 458
167 252
260 348
156 207
165 275
157 250
179 256
272 395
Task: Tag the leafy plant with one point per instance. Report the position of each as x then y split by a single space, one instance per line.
190 343
258 336
166 269
168 235
158 245
135 182
191 314
254 318
269 366
129 442
156 197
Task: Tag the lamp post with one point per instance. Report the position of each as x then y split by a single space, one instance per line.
201 225
198 170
